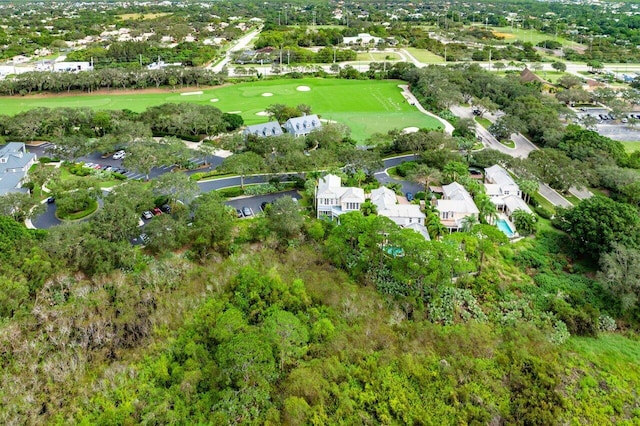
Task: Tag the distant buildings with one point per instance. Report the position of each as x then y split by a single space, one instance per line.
15 162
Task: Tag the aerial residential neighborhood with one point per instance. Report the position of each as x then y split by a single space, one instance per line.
320 213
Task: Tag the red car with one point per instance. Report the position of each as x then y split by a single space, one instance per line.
157 211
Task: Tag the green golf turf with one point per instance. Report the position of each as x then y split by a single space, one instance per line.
366 106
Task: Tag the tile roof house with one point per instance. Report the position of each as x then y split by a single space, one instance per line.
455 205
302 126
404 215
263 130
15 161
333 199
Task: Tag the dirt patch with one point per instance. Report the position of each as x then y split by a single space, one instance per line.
505 36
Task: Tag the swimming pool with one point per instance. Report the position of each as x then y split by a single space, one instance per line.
503 225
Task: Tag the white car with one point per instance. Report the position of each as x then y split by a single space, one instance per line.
119 155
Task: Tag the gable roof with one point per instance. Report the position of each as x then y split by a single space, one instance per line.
499 176
13 160
383 198
303 125
330 186
457 200
263 130
513 203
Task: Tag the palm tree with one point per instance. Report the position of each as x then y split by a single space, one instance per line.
425 175
434 226
488 212
528 188
468 222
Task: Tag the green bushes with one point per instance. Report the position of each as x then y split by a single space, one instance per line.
232 192
80 170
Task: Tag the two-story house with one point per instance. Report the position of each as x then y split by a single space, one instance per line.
504 191
15 162
263 130
302 126
333 200
455 205
404 215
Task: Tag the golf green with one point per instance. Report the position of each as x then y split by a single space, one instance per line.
366 106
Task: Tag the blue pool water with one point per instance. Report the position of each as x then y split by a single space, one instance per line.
504 227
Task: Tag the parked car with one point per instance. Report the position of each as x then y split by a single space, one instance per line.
409 196
239 213
147 214
264 205
166 208
157 211
51 200
119 155
145 238
247 211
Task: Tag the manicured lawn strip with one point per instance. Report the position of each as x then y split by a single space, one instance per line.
484 122
366 106
425 56
378 56
543 202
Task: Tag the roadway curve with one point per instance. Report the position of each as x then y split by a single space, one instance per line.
242 43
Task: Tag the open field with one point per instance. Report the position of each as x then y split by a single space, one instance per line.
143 16
512 34
366 106
425 56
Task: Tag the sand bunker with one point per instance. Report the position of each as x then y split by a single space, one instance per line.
262 113
267 94
234 112
199 92
410 130
214 100
303 88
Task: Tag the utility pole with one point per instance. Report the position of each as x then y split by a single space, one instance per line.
288 57
489 59
445 54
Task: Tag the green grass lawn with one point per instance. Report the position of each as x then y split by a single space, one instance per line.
631 146
378 56
484 122
550 76
425 56
533 36
366 106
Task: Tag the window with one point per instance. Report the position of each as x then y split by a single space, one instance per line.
353 206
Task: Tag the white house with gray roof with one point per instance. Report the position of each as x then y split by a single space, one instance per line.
455 205
263 130
302 126
333 199
15 162
503 191
404 215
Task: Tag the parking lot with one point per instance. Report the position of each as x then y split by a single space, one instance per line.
97 159
254 203
606 125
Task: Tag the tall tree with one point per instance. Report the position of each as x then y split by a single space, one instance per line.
243 164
